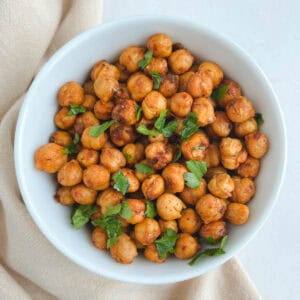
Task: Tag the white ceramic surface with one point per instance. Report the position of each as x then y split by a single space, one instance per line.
73 62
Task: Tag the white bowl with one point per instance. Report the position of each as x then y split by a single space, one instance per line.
73 62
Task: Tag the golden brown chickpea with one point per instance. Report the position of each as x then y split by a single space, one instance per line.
186 246
153 186
153 104
246 127
212 157
164 225
70 173
204 110
50 158
239 110
92 142
181 104
89 101
158 155
137 243
99 238
138 208
211 172
64 196
105 88
233 92
104 69
70 93
215 230
159 138
88 88
191 196
159 65
133 153
134 183
112 159
173 176
147 231
151 254
200 85
237 213
257 144
87 157
141 176
210 208
160 44
121 93
244 190
121 135
125 112
139 85
109 197
250 168
102 110
130 57
169 207
85 120
169 85
96 177
62 120
195 147
213 70
221 186
83 195
180 61
61 138
124 250
124 74
221 126
184 79
189 221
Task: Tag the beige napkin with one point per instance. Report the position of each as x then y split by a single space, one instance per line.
31 268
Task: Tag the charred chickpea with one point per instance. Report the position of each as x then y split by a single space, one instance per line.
169 85
239 110
237 213
212 157
221 126
125 112
105 88
121 135
50 158
85 120
180 61
64 196
138 209
112 159
102 110
191 196
70 93
158 154
89 101
183 80
99 238
215 230
200 85
134 183
250 168
133 153
88 88
124 74
159 65
141 176
186 246
62 120
96 177
151 254
61 138
160 44
233 92
139 85
87 157
221 186
173 176
130 57
153 186
257 144
244 190
213 70
108 197
153 104
92 142
181 104
104 69
246 127
147 231
164 225
211 172
83 195
70 173
204 110
189 221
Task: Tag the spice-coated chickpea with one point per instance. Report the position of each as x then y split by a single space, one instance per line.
147 231
121 93
153 104
181 104
99 238
92 142
139 85
137 243
233 92
105 88
109 197
121 134
180 61
212 157
87 119
169 207
151 254
211 172
169 85
221 186
83 195
215 230
112 159
87 157
138 209
200 85
173 176
89 101
184 79
186 246
124 74
204 110
246 127
141 176
62 120
221 126
50 158
102 110
164 225
159 138
61 138
96 177
213 70
160 44
88 88
239 110
250 168
158 154
134 183
257 144
158 65
244 189
191 196
70 173
70 93
125 112
133 153
64 196
237 213
153 186
104 69
189 221
130 57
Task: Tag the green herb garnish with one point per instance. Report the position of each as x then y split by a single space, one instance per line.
125 212
170 128
71 149
142 129
191 180
166 243
143 63
166 130
177 154
161 120
121 182
97 130
259 119
128 156
209 240
82 215
219 93
76 109
150 209
190 126
156 79
144 168
197 170
138 112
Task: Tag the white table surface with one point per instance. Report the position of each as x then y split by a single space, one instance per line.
270 31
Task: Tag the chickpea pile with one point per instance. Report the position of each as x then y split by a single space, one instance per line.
157 151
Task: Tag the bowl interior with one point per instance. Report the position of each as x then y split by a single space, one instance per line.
73 62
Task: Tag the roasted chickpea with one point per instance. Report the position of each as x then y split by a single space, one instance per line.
62 120
158 154
212 157
102 110
134 183
70 93
215 230
221 185
237 213
109 197
124 250
239 110
257 144
164 225
159 138
250 168
125 112
130 57
87 157
204 110
181 104
83 195
121 93
141 176
160 44
200 85
183 80
244 190
173 176
210 208
105 88
70 173
221 126
85 120
213 70
50 158
211 172
233 92
246 127
64 196
189 221
139 85
147 231
99 238
122 134
169 207
158 65
92 142
61 138
169 85
153 104
137 243
88 88
138 209
186 246
124 74
133 153
191 196
89 102
180 61
151 254
153 186
112 159
104 69
96 177
195 147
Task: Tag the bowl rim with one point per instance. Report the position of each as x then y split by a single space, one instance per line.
22 118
